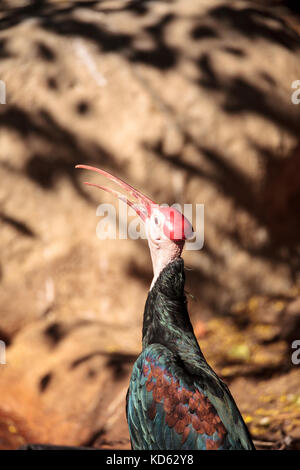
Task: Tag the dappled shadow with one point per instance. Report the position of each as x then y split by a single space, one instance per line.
142 274
60 149
293 6
161 56
61 20
6 338
243 97
106 40
240 96
55 332
116 361
45 381
235 94
4 49
274 205
21 227
45 52
256 23
253 23
259 372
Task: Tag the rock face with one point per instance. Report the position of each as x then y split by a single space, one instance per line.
191 103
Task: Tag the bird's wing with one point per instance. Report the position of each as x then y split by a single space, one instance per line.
170 409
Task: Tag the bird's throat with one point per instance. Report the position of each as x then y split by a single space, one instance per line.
162 255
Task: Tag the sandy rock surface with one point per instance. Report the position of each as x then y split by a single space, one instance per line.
189 101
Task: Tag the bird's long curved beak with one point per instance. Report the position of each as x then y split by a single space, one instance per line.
143 206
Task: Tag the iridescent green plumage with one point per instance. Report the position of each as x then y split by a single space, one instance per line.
175 400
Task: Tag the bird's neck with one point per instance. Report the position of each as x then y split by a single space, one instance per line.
166 319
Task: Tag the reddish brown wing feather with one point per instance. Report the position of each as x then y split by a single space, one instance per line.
183 407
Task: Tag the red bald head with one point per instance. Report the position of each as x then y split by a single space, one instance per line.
172 222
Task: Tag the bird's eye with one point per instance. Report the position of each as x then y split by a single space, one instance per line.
156 220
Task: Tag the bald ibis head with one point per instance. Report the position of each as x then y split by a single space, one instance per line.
166 227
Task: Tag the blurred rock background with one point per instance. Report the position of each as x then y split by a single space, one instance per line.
190 102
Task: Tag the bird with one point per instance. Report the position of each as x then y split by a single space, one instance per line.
175 400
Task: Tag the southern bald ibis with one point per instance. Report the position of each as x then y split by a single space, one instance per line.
175 400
